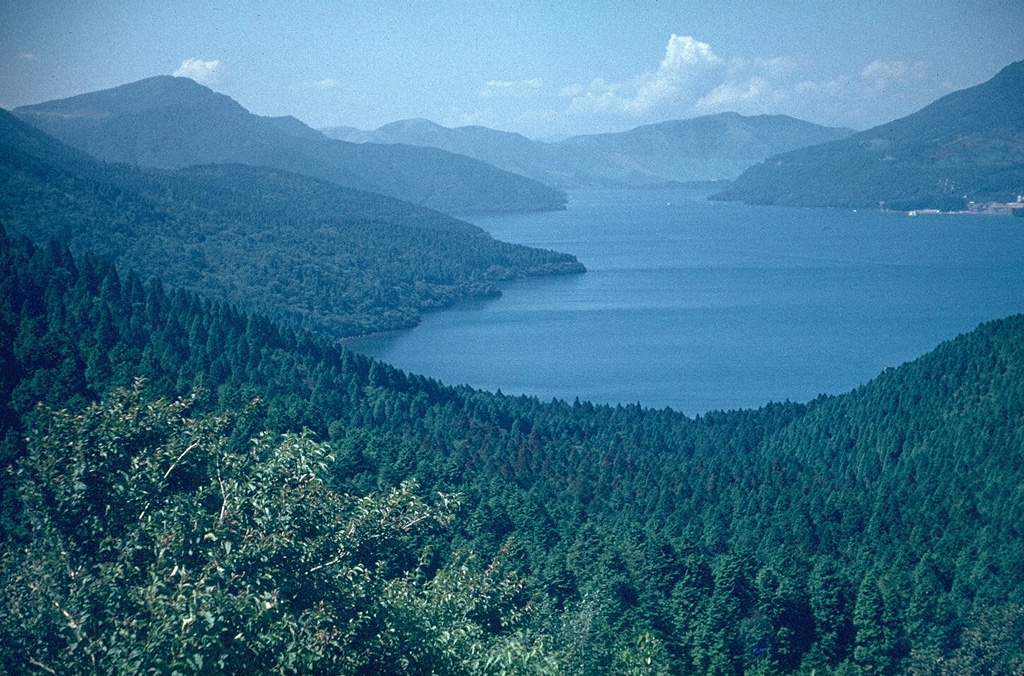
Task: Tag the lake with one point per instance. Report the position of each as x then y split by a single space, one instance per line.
700 305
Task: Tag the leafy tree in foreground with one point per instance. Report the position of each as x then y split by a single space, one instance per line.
159 547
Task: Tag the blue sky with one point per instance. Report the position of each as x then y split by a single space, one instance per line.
539 68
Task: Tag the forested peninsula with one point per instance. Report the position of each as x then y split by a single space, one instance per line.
304 251
192 488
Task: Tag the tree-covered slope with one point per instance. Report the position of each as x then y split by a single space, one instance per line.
712 147
170 123
968 145
876 532
304 251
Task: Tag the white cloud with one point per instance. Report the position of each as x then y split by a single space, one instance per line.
518 89
203 72
682 74
687 62
26 56
571 91
777 67
693 79
742 95
321 85
879 70
833 87
880 75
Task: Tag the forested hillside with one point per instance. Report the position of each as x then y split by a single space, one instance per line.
968 145
172 122
877 532
303 251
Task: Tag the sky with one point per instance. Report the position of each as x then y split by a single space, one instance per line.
542 68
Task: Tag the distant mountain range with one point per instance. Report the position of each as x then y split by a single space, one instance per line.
968 145
170 123
708 148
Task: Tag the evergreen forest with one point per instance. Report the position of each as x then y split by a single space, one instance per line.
194 484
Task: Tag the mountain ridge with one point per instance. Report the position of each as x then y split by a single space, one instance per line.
706 148
967 145
170 123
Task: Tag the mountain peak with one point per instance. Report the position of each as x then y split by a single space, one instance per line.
1014 70
964 146
412 124
134 98
173 122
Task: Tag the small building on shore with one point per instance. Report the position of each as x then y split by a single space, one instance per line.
998 208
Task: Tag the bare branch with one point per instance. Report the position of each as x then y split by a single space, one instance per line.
178 459
334 561
36 663
224 497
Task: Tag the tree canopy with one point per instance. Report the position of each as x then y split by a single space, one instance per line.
876 532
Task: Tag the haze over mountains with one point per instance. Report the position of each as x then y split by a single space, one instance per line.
965 146
968 145
708 148
172 122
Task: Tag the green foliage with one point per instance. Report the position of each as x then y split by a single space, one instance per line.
987 646
646 657
204 522
873 532
158 548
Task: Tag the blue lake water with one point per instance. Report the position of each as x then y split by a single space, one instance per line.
698 305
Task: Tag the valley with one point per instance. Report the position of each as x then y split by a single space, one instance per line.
247 423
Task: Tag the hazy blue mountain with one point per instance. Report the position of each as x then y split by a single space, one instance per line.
712 147
509 151
169 123
351 134
968 145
